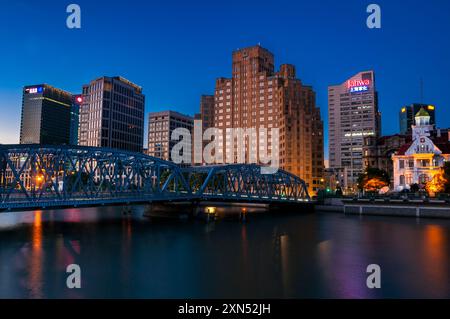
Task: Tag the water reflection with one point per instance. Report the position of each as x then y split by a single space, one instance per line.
435 261
36 258
285 271
291 256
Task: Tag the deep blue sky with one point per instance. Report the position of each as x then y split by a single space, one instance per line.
176 49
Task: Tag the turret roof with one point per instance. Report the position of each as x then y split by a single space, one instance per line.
422 112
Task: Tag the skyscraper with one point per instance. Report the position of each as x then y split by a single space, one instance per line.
353 115
407 113
160 128
112 114
258 97
207 111
77 100
46 115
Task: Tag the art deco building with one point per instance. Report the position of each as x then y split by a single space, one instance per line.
258 97
112 114
353 115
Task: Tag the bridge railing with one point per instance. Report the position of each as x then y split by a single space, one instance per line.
245 181
31 175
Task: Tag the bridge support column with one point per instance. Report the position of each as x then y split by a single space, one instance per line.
178 210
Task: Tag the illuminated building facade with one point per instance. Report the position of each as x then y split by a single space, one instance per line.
353 115
112 114
46 115
407 114
207 111
257 97
418 161
160 128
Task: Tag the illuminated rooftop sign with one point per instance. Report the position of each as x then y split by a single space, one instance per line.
358 85
35 90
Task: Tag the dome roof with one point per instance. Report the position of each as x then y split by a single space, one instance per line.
422 112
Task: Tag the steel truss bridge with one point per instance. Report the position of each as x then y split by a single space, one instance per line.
36 176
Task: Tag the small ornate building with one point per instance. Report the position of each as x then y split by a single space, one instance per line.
418 161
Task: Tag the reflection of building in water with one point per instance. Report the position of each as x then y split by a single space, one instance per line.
436 260
281 260
36 259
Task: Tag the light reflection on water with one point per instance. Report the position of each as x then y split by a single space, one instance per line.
289 256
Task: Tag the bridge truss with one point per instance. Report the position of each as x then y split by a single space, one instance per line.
35 176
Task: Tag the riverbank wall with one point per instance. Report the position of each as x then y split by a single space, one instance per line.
388 207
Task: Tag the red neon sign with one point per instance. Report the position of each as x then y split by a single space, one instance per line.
354 83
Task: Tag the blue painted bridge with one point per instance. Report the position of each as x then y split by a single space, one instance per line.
36 176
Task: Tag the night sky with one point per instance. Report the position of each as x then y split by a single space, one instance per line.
176 49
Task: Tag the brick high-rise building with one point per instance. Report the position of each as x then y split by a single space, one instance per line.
207 111
206 115
353 115
112 114
258 97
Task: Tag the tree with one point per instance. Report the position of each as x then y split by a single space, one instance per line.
437 184
373 179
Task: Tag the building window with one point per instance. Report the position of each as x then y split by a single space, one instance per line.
402 180
402 164
408 179
424 163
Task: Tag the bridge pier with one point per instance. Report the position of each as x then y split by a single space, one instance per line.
178 210
126 210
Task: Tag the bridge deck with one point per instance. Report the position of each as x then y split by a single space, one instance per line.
35 176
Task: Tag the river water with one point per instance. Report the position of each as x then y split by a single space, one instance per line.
270 256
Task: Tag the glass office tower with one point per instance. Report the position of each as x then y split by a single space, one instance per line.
46 115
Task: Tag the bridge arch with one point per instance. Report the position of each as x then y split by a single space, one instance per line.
34 176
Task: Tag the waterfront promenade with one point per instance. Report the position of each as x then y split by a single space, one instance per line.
418 208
